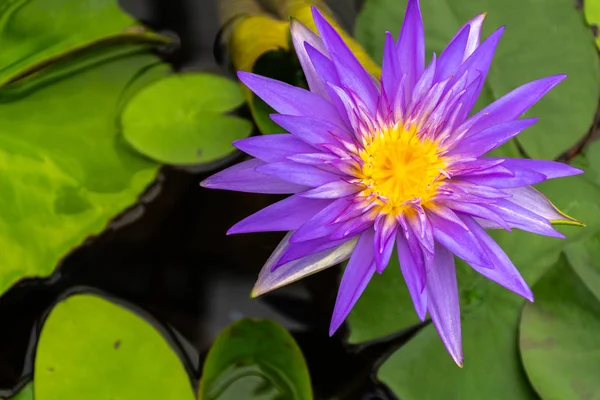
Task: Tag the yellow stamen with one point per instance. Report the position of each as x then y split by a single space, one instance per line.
399 167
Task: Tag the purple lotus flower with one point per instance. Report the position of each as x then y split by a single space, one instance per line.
372 165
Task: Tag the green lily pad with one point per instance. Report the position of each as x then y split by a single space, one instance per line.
91 348
560 335
256 356
181 119
592 15
539 40
35 33
64 170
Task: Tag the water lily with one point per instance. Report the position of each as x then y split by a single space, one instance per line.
373 165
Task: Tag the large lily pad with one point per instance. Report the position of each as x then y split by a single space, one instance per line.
180 119
540 40
35 33
91 348
65 172
258 357
560 335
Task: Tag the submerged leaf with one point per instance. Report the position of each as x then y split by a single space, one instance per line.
35 34
262 351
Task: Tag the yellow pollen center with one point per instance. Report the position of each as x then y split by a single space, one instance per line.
399 167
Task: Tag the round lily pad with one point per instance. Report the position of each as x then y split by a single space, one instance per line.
182 119
93 349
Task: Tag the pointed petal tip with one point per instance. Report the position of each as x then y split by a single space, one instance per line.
316 13
205 183
257 290
529 296
456 354
334 326
560 77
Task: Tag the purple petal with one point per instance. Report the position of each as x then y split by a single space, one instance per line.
453 55
474 34
513 104
317 159
390 68
243 177
271 148
269 280
421 226
385 237
310 130
288 99
477 166
490 138
516 215
321 224
550 169
504 272
300 250
286 215
478 64
331 190
324 67
480 211
364 89
536 202
301 35
329 76
446 213
503 181
350 70
414 275
356 277
424 84
484 192
443 305
300 174
459 241
411 45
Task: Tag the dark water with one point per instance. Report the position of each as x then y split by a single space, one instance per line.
168 258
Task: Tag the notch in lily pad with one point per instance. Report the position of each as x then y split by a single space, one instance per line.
184 119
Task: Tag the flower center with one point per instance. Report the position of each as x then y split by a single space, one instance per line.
400 168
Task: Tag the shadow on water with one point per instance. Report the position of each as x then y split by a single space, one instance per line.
169 260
